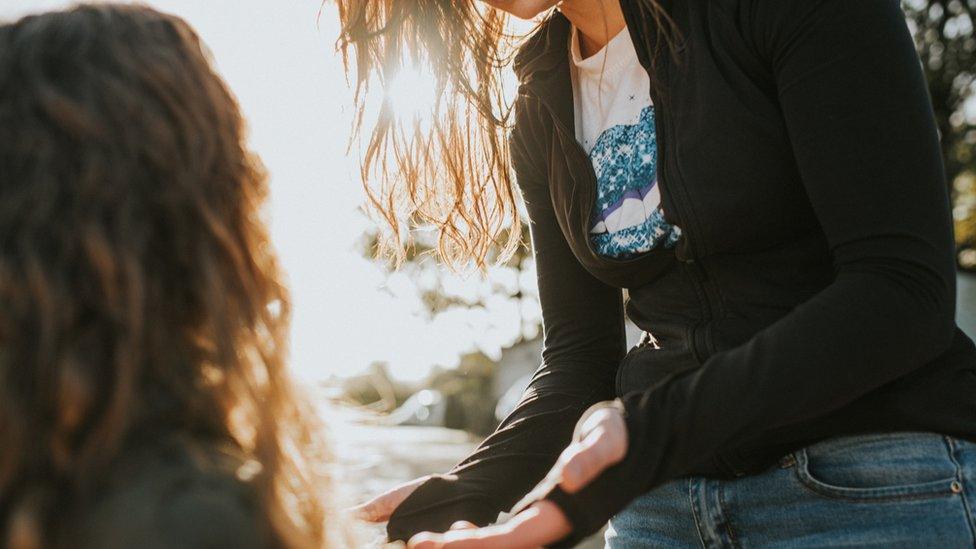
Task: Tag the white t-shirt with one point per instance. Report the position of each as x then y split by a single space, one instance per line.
615 124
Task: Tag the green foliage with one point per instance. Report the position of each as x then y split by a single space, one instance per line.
943 32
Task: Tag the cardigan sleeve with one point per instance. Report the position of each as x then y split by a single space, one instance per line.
584 341
860 121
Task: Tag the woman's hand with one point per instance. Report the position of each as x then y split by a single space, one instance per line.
600 441
382 506
540 524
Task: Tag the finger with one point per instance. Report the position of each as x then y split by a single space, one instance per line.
463 525
542 524
456 539
367 511
587 426
382 506
597 418
425 540
587 459
582 463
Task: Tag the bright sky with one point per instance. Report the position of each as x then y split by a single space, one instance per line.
279 59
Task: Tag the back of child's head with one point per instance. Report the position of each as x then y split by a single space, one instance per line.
138 287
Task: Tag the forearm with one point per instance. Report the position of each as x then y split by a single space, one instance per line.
512 460
867 329
583 325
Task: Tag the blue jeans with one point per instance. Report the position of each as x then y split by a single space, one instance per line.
883 490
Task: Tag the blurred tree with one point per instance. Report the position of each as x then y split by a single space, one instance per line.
502 302
375 389
490 311
943 32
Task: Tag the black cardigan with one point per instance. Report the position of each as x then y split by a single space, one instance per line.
812 293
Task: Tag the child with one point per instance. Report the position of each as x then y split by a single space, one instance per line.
143 394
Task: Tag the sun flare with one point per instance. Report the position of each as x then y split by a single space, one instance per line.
412 94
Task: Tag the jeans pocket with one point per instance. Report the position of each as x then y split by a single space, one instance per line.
879 467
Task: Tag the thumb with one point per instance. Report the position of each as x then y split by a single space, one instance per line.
425 540
587 459
382 506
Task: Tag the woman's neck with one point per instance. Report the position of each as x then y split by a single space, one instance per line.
598 21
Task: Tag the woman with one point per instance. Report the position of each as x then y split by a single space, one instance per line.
143 321
763 178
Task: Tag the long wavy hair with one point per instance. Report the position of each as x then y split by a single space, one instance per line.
135 268
450 170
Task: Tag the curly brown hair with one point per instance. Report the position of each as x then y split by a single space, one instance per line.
134 261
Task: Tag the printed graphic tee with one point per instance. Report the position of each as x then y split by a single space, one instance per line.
615 125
